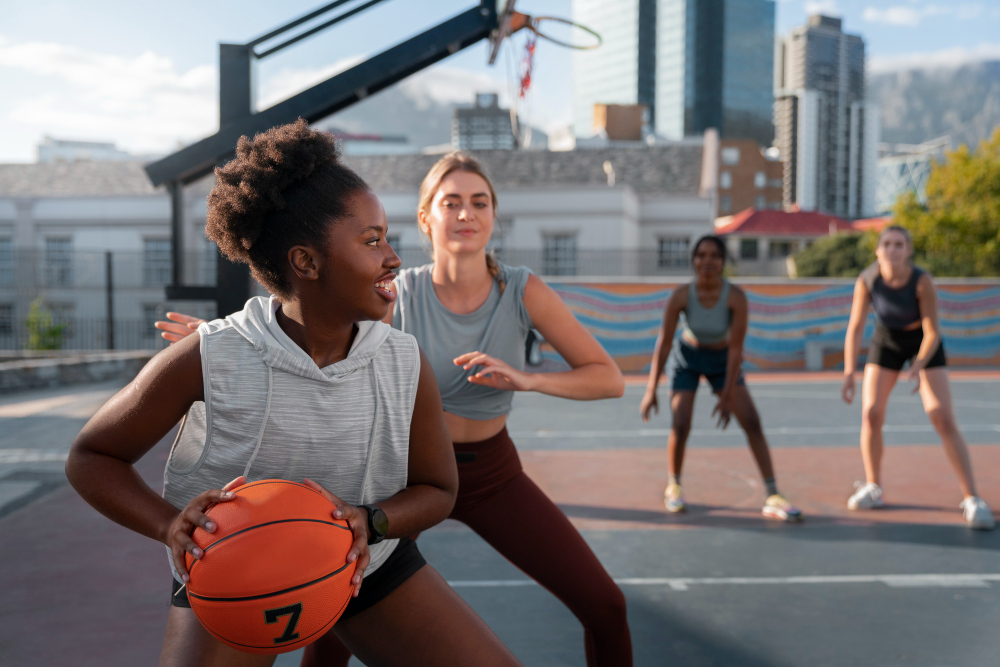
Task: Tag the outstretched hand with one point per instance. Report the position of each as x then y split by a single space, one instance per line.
179 327
494 372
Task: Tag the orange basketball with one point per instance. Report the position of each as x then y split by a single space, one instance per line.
274 575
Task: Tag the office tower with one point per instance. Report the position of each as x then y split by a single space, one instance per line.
826 131
694 63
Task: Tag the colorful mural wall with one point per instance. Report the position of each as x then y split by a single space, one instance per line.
786 318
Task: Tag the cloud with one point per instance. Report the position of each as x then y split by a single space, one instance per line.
945 58
147 105
143 102
901 15
825 7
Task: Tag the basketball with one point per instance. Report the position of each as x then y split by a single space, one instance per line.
274 575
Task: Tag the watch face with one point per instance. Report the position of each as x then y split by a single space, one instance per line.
380 521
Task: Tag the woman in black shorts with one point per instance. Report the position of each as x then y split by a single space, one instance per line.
905 304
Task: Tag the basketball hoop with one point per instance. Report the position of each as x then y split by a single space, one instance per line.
519 74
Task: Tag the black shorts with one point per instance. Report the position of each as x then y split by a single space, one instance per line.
892 348
402 564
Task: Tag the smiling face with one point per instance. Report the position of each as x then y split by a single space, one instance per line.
459 219
355 265
893 249
707 260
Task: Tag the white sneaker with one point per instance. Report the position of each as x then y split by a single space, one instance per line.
867 497
977 514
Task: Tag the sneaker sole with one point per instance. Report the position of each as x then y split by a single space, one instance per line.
780 516
862 508
676 510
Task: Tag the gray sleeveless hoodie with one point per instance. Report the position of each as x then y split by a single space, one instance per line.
271 412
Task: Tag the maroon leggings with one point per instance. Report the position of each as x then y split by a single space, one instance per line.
492 491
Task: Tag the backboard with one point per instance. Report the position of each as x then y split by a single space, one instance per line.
505 9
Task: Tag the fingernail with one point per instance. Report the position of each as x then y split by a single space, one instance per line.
210 527
351 558
338 514
185 578
227 494
196 553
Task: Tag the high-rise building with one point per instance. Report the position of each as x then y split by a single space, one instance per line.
694 64
826 131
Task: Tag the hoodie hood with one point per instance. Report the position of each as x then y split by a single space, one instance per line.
258 323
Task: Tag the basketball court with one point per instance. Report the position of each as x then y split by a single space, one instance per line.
719 585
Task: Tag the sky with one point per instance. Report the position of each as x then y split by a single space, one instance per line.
144 75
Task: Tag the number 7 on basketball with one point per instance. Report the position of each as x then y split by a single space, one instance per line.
272 616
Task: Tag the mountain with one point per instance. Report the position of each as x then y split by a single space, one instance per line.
922 104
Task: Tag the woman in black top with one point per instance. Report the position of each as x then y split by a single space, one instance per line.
905 304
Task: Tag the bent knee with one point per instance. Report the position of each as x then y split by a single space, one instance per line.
605 607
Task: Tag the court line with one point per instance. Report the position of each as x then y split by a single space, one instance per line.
778 430
683 583
32 455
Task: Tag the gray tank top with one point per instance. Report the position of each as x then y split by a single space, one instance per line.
708 326
498 328
271 413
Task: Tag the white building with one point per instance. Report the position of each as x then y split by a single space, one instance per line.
610 211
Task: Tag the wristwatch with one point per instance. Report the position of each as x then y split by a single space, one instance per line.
378 523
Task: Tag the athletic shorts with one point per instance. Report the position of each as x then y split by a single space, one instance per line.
892 348
688 363
402 564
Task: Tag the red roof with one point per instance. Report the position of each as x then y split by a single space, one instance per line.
872 223
780 223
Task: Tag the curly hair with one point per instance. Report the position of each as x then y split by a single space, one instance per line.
284 188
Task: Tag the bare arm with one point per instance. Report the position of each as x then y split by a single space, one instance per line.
740 309
852 341
927 298
432 476
664 341
595 375
101 461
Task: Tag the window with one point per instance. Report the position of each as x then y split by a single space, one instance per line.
725 180
780 249
749 249
6 319
730 155
673 253
559 255
760 180
775 183
58 261
156 262
760 202
6 262
725 205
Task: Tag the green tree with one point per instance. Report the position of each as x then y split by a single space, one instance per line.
42 333
958 232
843 255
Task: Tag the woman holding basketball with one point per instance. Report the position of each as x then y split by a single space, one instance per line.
471 316
309 383
711 344
904 299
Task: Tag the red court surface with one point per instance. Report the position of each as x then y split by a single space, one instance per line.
623 489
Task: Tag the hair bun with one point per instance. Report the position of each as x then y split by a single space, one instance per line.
254 185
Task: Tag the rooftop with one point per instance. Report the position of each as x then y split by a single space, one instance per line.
647 169
781 223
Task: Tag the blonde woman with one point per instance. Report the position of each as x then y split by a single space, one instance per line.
904 299
471 316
